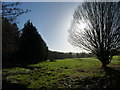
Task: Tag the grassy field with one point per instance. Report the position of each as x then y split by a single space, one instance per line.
116 58
82 73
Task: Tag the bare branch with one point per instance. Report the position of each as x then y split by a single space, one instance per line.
101 35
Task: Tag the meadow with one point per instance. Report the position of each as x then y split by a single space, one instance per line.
73 73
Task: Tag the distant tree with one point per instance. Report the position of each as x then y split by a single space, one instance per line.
84 55
101 36
10 41
33 47
11 10
59 55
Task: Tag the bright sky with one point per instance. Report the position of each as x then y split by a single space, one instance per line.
52 20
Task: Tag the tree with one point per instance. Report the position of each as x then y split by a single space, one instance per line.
10 41
101 36
33 47
10 33
11 10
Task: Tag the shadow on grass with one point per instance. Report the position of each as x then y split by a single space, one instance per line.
6 85
113 77
22 64
110 81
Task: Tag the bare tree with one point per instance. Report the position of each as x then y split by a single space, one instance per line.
11 10
101 35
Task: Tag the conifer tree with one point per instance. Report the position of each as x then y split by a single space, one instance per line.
10 40
33 47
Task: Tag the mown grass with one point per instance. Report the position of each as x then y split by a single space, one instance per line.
65 73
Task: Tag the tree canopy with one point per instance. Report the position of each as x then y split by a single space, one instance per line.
33 47
10 40
101 35
10 32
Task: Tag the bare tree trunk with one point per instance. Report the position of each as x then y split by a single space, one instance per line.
104 64
105 61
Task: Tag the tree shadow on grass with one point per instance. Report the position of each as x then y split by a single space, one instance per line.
110 81
113 77
7 85
22 64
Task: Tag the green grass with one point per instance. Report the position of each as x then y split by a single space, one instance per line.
116 58
58 74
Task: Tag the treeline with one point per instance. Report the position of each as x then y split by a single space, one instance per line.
52 55
24 45
27 46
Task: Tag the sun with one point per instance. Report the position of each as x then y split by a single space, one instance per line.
82 25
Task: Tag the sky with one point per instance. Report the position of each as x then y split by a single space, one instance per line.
52 20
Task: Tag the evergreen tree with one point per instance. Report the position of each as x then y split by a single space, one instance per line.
33 47
10 33
10 40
